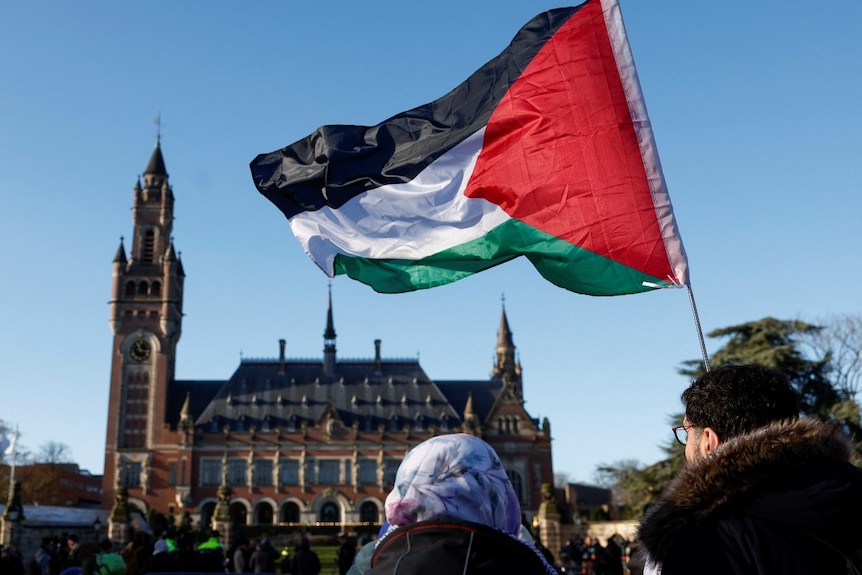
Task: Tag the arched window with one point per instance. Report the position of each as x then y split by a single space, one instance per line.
517 483
330 513
130 288
143 288
207 513
156 289
238 513
263 514
368 513
290 512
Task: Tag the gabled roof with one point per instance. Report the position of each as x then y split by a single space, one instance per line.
263 394
199 392
367 393
483 394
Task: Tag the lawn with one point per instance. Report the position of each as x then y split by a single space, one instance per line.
327 554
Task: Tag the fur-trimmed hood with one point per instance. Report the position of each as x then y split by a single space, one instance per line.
794 474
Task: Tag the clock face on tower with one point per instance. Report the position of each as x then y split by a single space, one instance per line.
140 350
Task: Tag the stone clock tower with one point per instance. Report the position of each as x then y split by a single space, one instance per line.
146 320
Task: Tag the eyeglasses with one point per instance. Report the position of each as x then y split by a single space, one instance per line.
681 433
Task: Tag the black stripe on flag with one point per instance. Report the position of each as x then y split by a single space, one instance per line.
348 160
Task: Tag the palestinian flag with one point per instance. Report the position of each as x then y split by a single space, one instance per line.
545 152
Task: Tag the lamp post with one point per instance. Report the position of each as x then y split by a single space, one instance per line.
13 513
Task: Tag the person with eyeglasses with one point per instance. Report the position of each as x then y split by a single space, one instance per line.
763 490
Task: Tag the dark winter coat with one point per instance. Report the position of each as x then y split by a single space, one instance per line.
345 555
782 499
241 556
263 559
210 557
305 561
438 547
163 562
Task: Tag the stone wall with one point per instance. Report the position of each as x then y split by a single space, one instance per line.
28 537
605 529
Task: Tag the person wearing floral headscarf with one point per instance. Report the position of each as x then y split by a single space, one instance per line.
453 509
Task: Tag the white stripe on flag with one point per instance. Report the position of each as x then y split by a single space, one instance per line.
404 221
10 449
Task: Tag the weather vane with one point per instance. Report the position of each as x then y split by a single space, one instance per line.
158 122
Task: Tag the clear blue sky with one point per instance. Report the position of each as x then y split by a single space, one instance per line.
755 109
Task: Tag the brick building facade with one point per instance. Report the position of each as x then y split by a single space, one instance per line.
295 441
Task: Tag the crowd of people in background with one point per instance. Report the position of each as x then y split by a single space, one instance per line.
453 509
169 552
587 556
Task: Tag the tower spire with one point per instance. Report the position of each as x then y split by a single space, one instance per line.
329 334
146 320
329 339
505 363
186 411
120 257
156 165
504 334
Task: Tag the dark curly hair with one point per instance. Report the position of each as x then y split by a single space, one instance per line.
736 399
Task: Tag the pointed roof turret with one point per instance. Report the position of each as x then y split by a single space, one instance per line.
120 257
504 334
329 334
505 348
468 408
329 340
171 254
186 410
471 422
156 166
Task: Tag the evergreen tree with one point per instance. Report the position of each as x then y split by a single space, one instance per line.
775 344
772 343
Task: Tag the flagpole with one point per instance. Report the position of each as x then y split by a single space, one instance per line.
14 455
697 327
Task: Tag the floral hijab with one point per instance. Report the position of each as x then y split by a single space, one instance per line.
457 476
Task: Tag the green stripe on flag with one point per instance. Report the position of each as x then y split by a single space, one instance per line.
564 264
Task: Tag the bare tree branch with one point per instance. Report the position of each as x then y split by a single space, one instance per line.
841 341
54 452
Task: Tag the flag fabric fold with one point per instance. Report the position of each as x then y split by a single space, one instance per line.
545 152
8 445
